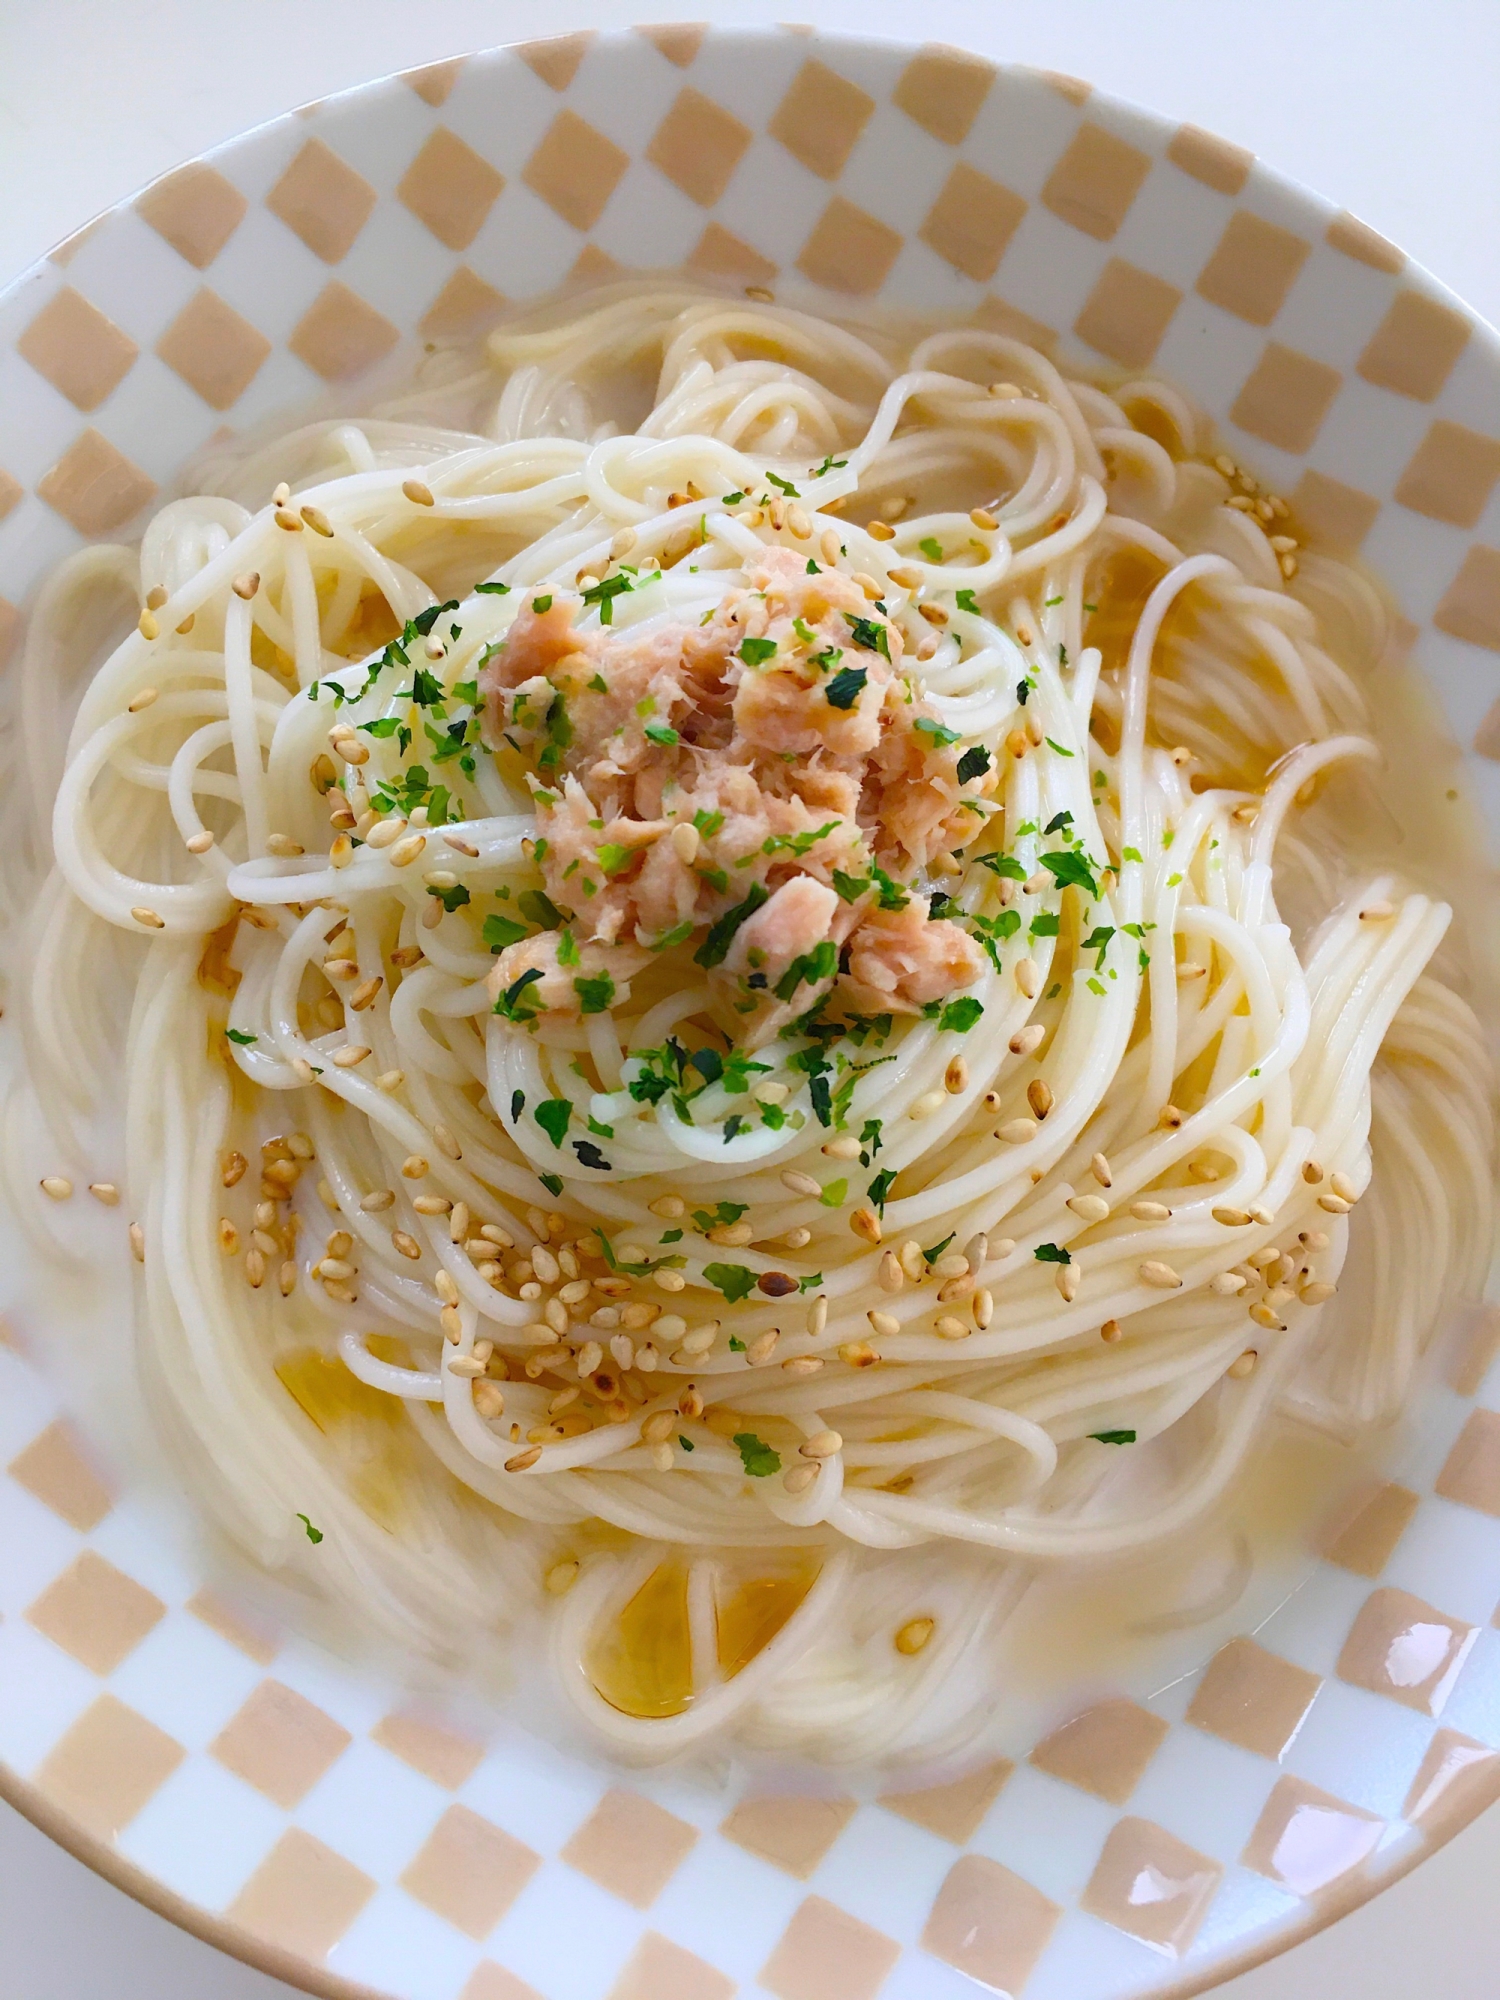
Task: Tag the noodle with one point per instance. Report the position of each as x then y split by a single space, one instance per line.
720 1254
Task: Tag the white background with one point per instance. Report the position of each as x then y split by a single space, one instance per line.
1388 106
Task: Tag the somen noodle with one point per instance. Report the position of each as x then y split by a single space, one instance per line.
699 971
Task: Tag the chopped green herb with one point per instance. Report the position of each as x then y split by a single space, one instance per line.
784 486
1113 1437
867 633
553 1115
313 1534
516 1003
1057 747
938 732
755 652
541 604
878 1192
973 764
452 898
238 1035
735 1281
590 1156
715 947
960 1015
552 1183
967 601
847 685
595 995
835 1194
492 589
501 931
759 1460
1050 1253
662 733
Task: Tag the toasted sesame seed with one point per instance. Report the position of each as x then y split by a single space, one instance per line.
1227 1283
949 1328
760 1350
229 1236
776 1284
148 918
858 1354
414 1167
1068 1278
404 852
866 1224
1039 1097
1343 1187
824 1444
1243 1366
364 995
1092 1207
817 1315
446 1143
1334 1204
1377 913
1028 977
889 1274
407 1245
883 1323
829 547
199 843
524 1460
669 1281
1162 1276
1150 1211
914 1635
105 1191
802 1364
797 1478
1016 1131
1265 1314
57 1186
982 518
1288 566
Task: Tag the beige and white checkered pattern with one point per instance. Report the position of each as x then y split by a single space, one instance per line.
1133 1845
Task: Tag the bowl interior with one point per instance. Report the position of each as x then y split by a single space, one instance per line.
291 1807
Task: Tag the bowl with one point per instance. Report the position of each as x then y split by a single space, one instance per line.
296 1809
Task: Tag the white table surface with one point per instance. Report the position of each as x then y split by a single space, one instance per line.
1386 105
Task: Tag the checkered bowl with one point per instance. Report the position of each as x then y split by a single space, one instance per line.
302 1814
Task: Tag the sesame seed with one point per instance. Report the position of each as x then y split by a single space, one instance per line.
669 1281
404 852
318 521
817 1315
1334 1204
982 518
1243 1366
1039 1097
1288 566
914 1635
889 1274
1028 977
229 1236
419 494
1150 1211
1343 1187
883 1323
105 1191
350 1056
1377 913
524 1460
1092 1207
949 1328
776 1284
803 1364
1162 1276
1068 1278
926 1104
798 1478
285 518
407 1245
200 843
824 1444
955 1083
148 918
799 1183
390 1079
57 1186
1227 1283
283 844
